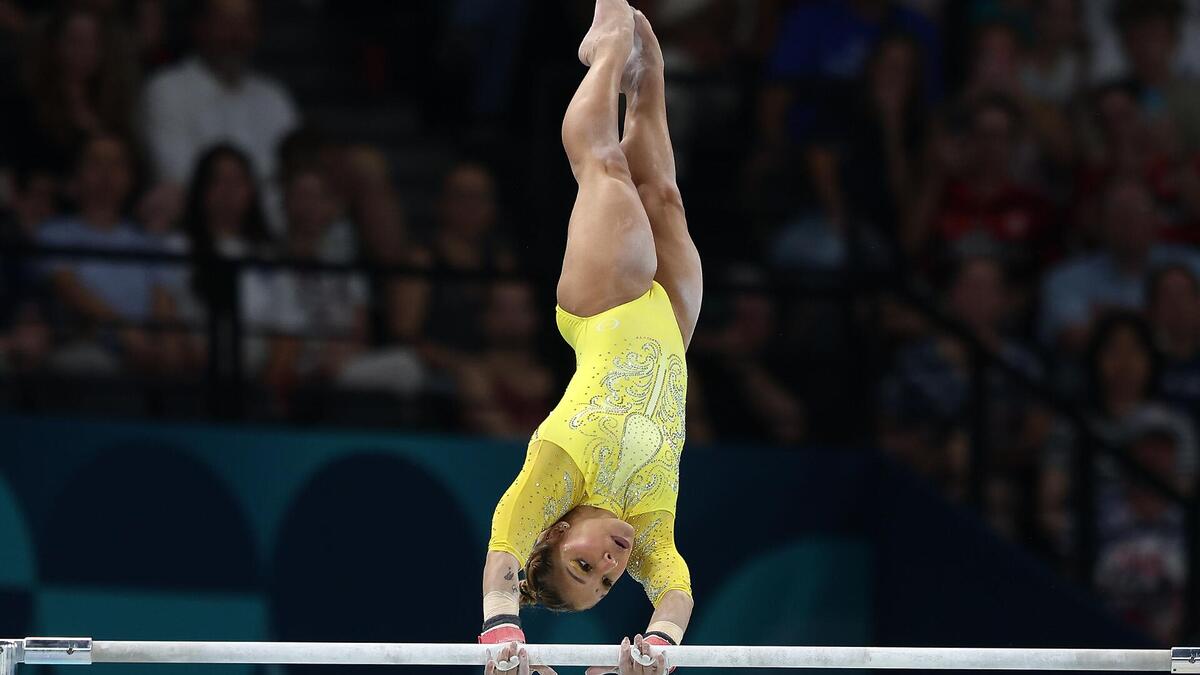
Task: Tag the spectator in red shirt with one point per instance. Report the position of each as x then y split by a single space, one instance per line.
971 192
1129 147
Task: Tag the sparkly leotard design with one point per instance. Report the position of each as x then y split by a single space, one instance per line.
613 442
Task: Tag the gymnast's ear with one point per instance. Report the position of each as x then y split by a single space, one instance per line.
554 532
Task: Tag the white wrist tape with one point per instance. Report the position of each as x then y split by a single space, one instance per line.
669 628
499 602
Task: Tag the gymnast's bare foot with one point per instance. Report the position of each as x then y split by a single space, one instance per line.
613 22
646 59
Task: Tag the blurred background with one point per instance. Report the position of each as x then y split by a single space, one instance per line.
276 292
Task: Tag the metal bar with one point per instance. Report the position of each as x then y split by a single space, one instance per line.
602 655
57 651
9 656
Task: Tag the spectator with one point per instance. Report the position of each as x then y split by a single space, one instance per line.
700 50
507 388
1129 147
375 207
1141 566
1123 372
1173 307
80 83
223 219
926 400
465 241
1109 61
1054 69
734 368
1079 289
35 200
310 148
971 192
822 49
1150 33
864 163
216 96
997 64
317 319
106 299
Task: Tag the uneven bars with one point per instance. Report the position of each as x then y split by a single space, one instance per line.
84 651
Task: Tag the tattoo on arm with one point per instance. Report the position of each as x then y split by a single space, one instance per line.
509 576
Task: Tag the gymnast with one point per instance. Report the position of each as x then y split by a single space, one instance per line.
598 488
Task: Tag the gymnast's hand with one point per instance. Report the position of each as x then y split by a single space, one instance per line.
627 666
514 649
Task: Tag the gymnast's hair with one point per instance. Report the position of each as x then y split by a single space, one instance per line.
536 588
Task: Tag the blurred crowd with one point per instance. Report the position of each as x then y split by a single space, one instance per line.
1032 164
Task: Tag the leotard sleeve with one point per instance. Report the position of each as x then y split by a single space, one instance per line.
548 486
655 561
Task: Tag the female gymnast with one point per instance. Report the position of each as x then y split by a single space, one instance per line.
598 488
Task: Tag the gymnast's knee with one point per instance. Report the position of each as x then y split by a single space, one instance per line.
607 162
658 196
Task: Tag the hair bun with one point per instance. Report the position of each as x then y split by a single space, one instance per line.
528 598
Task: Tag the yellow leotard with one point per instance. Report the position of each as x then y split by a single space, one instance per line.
612 442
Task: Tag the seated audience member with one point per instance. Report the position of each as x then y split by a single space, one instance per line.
1150 32
1173 307
1108 59
308 148
374 205
1123 371
507 388
216 96
1044 140
1141 565
34 200
222 220
734 369
1127 146
316 320
972 192
465 240
80 82
1079 289
864 165
106 300
926 400
821 49
1053 71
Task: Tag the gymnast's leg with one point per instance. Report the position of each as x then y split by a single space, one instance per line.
647 148
610 256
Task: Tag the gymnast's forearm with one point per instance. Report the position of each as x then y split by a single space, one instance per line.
501 600
672 615
500 574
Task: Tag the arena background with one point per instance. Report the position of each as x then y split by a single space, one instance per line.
943 391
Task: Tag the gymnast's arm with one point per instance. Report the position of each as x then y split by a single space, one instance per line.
662 571
548 486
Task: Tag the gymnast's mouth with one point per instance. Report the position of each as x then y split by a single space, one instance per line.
622 542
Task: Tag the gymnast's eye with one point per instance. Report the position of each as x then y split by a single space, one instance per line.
584 566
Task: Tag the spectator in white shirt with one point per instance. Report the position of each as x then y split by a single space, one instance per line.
1079 289
215 96
317 319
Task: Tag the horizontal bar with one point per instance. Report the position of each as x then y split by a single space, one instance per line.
928 658
57 651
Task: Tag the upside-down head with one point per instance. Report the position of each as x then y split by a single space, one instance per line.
576 562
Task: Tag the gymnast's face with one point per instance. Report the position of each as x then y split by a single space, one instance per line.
592 555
